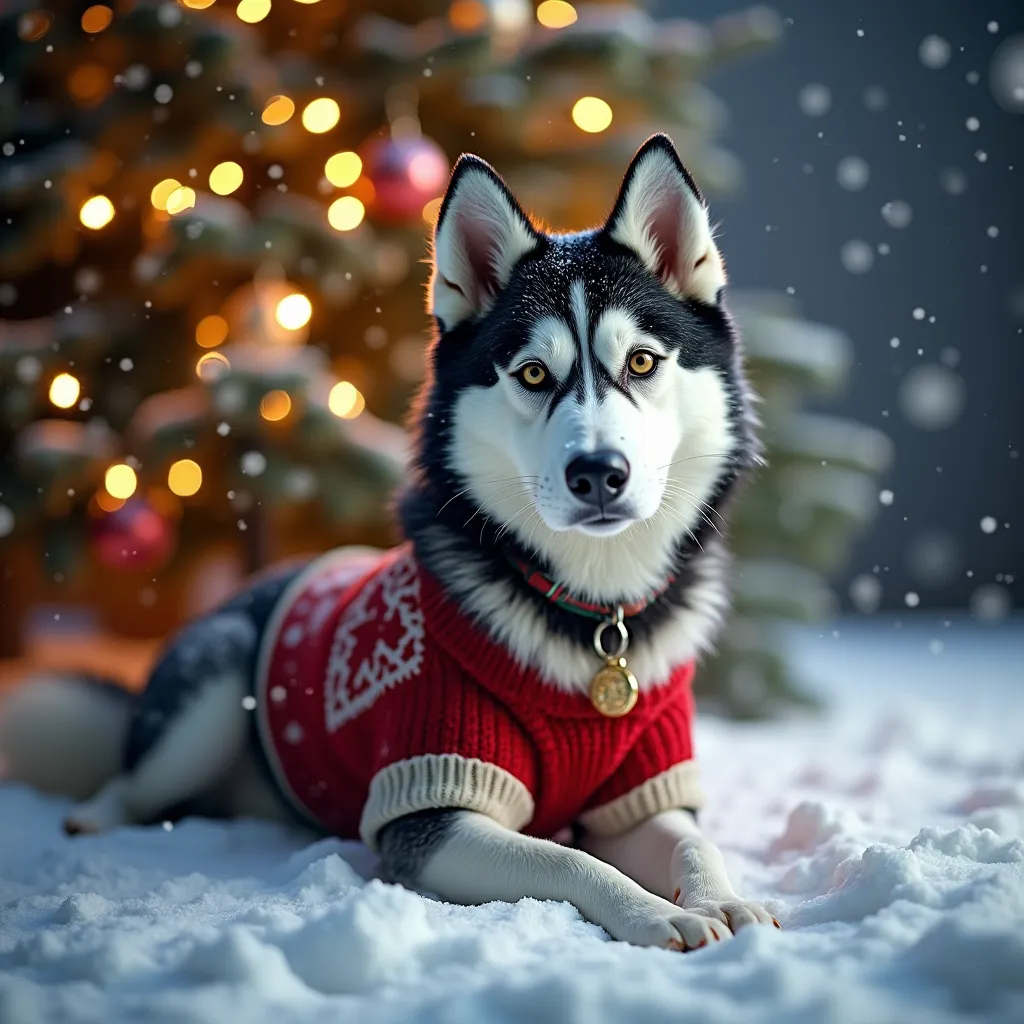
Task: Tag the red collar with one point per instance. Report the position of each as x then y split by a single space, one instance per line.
558 593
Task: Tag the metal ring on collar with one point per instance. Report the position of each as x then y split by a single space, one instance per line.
619 626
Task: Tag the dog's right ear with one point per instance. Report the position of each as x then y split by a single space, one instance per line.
481 234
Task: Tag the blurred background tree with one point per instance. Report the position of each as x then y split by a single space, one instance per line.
211 278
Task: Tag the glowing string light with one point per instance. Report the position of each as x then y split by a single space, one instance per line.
293 311
345 400
211 366
278 110
275 405
226 177
120 481
211 331
162 191
96 212
556 14
592 114
343 169
181 199
96 18
321 115
345 213
185 477
252 11
64 390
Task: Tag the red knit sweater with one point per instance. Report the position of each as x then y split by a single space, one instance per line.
368 676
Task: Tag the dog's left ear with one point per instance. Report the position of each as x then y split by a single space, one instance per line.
481 234
662 217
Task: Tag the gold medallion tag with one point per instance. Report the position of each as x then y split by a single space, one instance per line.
614 690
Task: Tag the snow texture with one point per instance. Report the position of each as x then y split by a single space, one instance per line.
886 836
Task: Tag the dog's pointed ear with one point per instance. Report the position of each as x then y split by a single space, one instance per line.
481 234
662 217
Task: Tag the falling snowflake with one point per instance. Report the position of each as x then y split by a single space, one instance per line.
934 52
254 463
911 599
932 397
815 99
853 173
989 524
886 497
897 214
857 256
866 593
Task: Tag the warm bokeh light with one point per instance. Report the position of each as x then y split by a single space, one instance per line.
89 84
120 481
592 114
431 210
345 213
96 19
345 400
278 110
293 311
199 5
162 191
252 11
307 1
321 115
64 390
342 169
97 212
181 199
226 177
211 366
33 25
556 14
275 405
467 15
106 501
184 478
211 331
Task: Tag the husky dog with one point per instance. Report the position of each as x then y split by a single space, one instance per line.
522 664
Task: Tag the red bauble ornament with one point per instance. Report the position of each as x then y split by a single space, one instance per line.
406 173
135 537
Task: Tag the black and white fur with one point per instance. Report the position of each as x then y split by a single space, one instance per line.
611 480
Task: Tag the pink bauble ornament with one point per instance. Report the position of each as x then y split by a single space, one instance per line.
406 173
133 538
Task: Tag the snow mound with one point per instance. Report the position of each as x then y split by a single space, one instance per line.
890 847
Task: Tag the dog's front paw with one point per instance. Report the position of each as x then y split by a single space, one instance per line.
670 927
735 913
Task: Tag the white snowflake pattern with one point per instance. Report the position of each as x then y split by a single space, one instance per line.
392 596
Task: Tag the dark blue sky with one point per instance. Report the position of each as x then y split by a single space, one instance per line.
960 259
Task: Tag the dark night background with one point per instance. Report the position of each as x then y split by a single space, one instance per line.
788 225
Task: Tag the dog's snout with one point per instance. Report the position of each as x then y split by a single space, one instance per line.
598 478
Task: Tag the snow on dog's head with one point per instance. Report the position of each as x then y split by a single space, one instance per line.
586 391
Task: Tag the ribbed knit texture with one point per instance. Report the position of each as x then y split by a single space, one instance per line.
390 674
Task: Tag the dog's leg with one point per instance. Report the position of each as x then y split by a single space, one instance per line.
468 857
668 855
187 729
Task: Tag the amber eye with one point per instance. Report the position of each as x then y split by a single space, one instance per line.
642 363
533 375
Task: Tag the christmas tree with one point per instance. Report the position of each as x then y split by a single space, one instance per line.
211 274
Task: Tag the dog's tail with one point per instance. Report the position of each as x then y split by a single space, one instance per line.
64 733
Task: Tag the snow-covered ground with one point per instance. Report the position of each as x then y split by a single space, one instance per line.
887 837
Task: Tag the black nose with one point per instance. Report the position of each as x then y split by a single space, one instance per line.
598 478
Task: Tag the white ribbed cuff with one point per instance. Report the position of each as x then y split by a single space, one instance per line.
678 786
435 781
